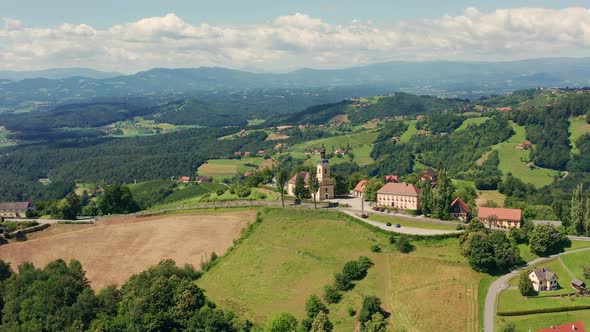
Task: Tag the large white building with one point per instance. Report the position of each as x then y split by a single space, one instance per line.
404 196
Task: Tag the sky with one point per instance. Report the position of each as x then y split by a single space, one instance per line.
283 35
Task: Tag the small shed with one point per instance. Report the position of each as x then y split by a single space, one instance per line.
579 285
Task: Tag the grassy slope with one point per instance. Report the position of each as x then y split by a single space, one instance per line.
575 261
578 127
294 253
473 121
361 144
510 160
405 137
226 168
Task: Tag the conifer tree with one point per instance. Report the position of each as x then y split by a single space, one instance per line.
577 210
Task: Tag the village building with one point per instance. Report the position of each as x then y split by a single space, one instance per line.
543 279
578 285
526 145
576 326
359 189
459 210
238 154
500 217
427 175
247 154
326 187
390 178
261 153
399 195
201 179
15 209
184 179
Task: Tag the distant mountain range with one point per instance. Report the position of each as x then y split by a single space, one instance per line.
443 78
56 74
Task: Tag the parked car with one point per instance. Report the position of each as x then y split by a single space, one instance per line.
398 225
388 224
364 215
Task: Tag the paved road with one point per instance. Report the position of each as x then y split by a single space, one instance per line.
502 283
401 230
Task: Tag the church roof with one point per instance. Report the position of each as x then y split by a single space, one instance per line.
306 176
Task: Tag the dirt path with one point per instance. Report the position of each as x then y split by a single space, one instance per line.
112 250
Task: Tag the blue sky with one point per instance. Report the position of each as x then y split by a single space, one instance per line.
104 13
280 35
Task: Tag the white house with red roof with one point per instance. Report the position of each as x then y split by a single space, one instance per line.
576 326
359 189
459 210
500 217
399 195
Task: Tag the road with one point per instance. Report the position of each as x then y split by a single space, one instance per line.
502 283
401 230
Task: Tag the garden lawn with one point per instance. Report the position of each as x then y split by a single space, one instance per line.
575 262
511 160
511 300
294 253
227 168
412 223
578 127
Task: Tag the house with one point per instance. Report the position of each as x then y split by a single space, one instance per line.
359 189
201 179
526 145
427 175
500 217
15 209
543 279
399 195
184 179
459 210
576 326
261 153
391 178
341 152
326 187
238 154
247 154
579 285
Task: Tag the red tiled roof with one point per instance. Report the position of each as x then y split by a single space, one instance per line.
399 188
577 326
459 201
15 206
360 187
391 177
305 176
500 213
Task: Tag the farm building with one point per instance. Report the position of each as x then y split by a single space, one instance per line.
500 217
526 145
543 279
459 210
359 189
577 326
15 209
400 195
184 179
579 285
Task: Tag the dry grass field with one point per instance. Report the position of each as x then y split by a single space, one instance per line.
113 250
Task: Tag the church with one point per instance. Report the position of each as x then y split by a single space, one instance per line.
326 188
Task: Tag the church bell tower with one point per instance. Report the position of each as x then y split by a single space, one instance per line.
326 190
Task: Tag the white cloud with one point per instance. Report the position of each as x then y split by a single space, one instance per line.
297 40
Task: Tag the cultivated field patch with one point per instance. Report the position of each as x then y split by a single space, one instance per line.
113 250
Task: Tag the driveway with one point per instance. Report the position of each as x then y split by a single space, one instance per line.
502 283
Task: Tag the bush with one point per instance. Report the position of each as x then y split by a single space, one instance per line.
404 245
371 306
542 310
391 239
331 294
375 248
509 327
413 212
351 311
342 283
220 192
313 306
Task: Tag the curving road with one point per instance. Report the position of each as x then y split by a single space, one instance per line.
502 283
